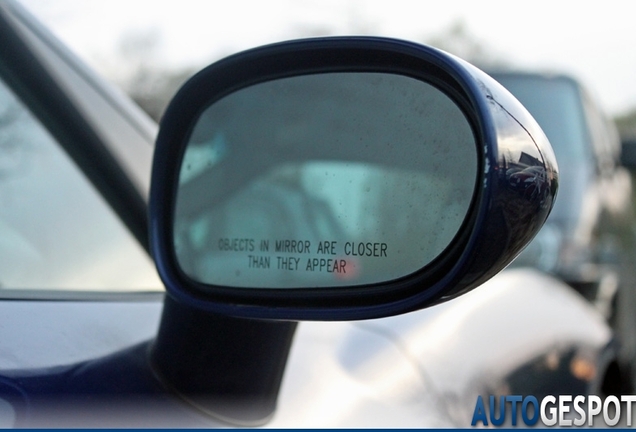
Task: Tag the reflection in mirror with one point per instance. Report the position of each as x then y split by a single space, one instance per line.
323 180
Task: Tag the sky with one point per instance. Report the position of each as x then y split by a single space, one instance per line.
595 43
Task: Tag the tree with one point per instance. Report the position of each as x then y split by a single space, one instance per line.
143 75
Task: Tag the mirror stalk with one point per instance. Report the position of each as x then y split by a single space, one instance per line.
230 368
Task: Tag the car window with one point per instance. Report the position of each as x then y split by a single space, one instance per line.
56 231
557 107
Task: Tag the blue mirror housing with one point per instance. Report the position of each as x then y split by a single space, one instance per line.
240 106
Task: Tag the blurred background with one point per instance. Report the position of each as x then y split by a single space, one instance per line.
149 48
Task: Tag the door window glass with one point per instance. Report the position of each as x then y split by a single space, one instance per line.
56 231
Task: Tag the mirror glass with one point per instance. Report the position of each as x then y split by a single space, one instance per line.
323 180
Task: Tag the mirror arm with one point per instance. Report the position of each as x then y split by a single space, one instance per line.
229 368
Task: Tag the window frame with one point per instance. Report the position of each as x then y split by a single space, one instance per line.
30 80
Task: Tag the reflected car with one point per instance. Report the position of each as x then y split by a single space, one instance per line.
81 302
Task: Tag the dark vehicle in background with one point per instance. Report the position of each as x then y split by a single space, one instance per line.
588 240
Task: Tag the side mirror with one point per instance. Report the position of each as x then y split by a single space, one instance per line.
343 178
